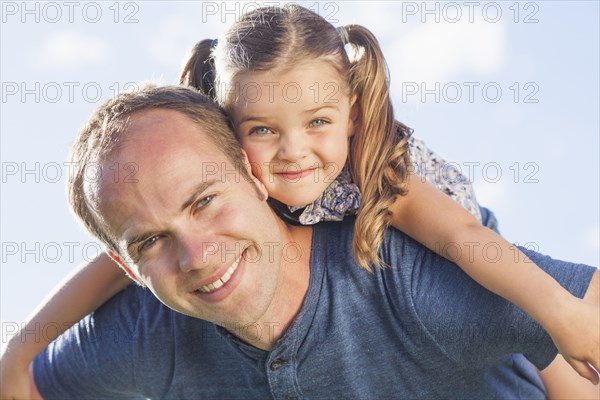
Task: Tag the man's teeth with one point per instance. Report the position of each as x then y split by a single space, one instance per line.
222 280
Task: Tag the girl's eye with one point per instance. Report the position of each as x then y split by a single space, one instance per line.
260 131
317 122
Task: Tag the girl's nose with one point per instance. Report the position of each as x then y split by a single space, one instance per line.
293 147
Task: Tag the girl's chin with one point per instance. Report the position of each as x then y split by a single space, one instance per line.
301 204
294 201
297 203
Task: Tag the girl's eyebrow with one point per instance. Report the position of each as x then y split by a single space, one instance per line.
267 117
319 108
252 118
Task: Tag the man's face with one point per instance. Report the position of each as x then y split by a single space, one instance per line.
194 231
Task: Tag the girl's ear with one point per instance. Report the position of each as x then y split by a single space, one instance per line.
354 113
125 267
260 188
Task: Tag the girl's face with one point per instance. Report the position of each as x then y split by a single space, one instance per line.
294 126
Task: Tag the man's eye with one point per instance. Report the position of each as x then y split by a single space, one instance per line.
203 201
146 244
317 122
260 131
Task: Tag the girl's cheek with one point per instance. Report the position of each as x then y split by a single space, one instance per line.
258 172
256 162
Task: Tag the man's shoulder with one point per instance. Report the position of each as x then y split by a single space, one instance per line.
406 264
342 232
138 308
397 249
128 312
131 301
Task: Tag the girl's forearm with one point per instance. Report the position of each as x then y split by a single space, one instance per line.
435 220
503 269
80 293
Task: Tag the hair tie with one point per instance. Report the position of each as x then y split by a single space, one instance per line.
343 32
214 43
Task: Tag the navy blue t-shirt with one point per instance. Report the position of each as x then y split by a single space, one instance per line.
418 329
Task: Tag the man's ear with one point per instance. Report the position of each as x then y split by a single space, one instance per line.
125 267
260 188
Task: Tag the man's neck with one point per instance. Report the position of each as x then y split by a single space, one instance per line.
292 287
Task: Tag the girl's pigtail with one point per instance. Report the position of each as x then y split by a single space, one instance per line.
378 148
199 69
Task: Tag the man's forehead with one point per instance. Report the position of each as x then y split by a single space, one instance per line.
163 131
160 118
162 157
160 135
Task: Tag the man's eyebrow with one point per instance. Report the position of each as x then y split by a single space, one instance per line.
194 194
137 238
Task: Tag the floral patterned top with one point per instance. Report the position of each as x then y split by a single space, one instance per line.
443 175
342 197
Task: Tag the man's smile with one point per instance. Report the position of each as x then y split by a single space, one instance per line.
221 286
222 280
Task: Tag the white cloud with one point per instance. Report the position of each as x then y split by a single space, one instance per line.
437 52
71 50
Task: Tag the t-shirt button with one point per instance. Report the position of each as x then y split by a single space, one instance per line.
275 365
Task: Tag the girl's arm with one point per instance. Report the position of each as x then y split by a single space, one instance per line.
80 293
435 220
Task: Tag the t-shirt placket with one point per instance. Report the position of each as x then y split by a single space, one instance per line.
281 369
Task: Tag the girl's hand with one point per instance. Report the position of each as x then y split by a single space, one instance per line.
14 379
576 334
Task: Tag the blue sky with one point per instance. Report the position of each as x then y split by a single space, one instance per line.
509 91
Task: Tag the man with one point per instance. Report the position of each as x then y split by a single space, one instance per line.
265 309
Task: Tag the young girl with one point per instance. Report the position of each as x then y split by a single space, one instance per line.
306 114
320 133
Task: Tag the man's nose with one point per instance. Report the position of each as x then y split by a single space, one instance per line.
293 146
195 253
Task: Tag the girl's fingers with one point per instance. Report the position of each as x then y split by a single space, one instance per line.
585 370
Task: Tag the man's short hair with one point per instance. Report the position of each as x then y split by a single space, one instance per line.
102 134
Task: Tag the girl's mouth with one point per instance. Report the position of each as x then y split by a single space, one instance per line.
295 175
